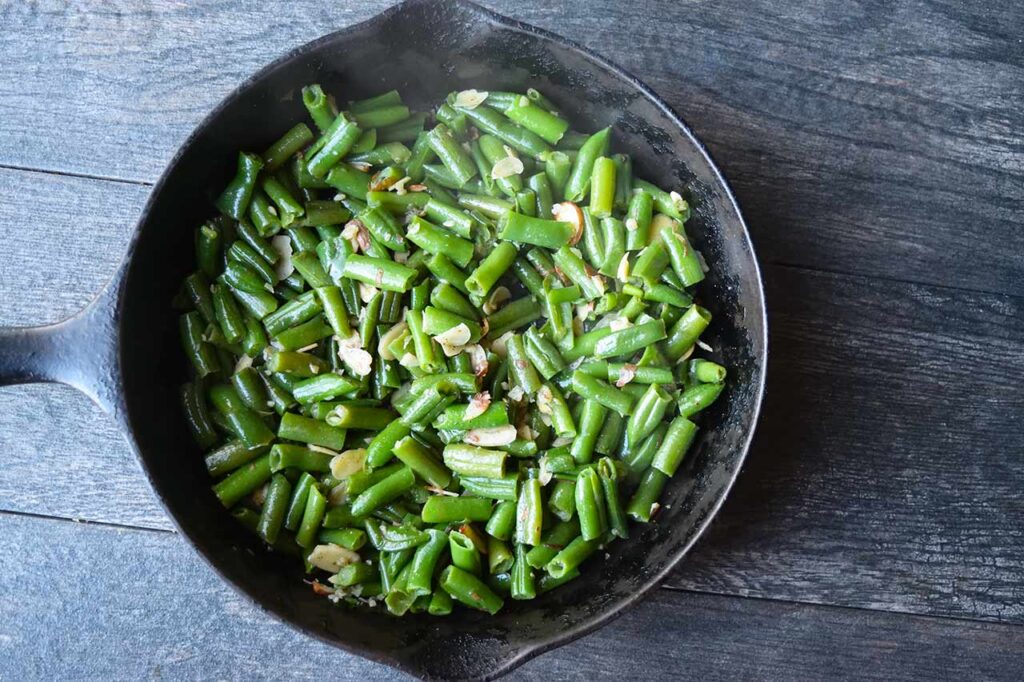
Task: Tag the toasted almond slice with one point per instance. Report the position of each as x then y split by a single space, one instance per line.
568 212
478 404
470 99
627 374
348 463
493 437
332 558
507 167
283 245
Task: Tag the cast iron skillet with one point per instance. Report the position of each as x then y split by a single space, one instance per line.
123 349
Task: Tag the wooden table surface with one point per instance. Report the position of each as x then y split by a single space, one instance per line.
877 149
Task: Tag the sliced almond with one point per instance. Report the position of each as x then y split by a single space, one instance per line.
454 340
283 245
478 404
348 463
470 99
507 167
387 337
568 212
478 357
627 374
332 558
492 437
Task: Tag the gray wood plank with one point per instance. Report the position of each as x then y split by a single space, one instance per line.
64 238
886 471
104 603
866 137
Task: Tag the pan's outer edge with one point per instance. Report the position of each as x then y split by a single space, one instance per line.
582 629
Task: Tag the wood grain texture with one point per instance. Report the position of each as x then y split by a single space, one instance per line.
890 127
886 472
126 593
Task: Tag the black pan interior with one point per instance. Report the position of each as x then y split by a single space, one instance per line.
426 49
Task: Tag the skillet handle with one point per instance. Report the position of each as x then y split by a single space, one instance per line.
80 351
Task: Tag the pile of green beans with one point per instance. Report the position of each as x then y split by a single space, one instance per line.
443 357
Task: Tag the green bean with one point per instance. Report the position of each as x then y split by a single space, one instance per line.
669 203
562 501
638 220
234 200
293 313
684 259
200 353
591 419
312 516
549 127
435 240
491 268
470 460
451 154
697 398
470 590
569 261
244 421
359 417
615 236
644 502
686 331
321 213
285 456
501 523
602 187
384 227
383 492
529 511
387 99
295 363
197 415
421 342
349 538
243 481
491 207
424 561
320 108
649 412
601 392
570 558
403 131
590 504
444 270
512 134
297 503
444 509
323 387
424 463
514 315
381 116
629 340
521 370
680 435
379 450
550 234
578 183
305 430
250 388
464 553
348 180
275 506
378 272
609 440
553 541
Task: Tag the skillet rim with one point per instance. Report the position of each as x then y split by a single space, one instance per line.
522 653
